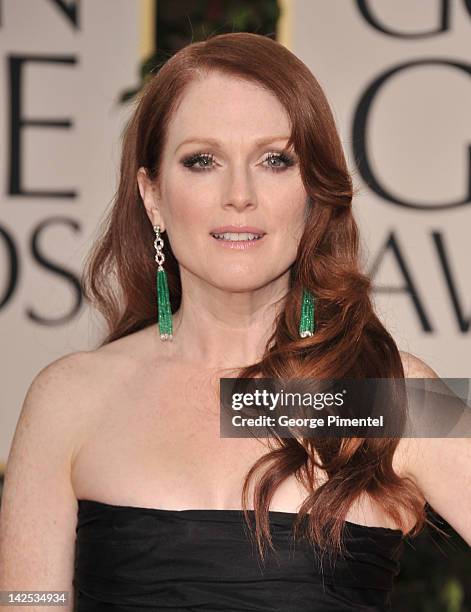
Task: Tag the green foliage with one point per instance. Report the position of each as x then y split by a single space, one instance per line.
435 572
180 23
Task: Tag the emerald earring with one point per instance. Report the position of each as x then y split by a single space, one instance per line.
163 299
307 323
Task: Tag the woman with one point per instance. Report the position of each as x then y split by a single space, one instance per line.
234 187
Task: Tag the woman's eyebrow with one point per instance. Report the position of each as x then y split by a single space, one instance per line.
215 142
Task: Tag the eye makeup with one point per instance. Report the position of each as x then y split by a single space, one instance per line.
191 161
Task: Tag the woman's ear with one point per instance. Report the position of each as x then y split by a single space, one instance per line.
148 195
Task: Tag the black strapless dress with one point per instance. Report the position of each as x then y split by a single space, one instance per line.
129 558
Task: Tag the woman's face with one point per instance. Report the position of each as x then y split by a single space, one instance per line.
233 172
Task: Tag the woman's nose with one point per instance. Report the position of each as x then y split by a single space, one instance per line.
239 192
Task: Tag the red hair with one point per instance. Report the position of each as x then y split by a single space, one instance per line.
349 341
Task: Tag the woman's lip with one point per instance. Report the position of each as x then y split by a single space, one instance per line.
238 244
238 229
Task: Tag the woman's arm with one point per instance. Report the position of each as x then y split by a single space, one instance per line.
39 509
441 467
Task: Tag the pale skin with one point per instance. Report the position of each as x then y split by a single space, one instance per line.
136 422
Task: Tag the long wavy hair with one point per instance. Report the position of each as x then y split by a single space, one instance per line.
349 341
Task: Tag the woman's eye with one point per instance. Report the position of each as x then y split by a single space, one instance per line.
203 161
279 157
204 158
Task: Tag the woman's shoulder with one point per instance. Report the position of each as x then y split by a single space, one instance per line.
93 369
406 451
73 376
71 391
60 379
414 367
62 393
132 350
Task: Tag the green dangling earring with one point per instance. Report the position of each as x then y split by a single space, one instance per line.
307 323
163 299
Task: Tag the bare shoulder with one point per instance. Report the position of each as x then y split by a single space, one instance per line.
67 394
405 457
440 467
60 395
57 383
38 468
414 367
63 403
57 375
89 372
